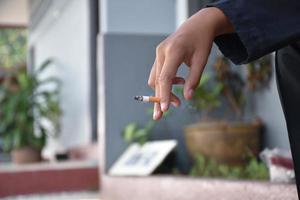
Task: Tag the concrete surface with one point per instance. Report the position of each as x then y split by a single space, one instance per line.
183 188
88 195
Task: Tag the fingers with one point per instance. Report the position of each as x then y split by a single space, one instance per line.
163 76
175 101
178 81
193 78
157 113
151 80
175 81
166 78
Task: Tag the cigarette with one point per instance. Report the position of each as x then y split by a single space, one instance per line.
147 99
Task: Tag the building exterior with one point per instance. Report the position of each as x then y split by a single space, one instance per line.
127 36
103 51
60 30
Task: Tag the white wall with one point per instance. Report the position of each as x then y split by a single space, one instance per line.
13 12
62 34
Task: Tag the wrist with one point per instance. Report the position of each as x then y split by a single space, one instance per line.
217 21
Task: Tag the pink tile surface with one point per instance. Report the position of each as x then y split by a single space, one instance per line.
182 188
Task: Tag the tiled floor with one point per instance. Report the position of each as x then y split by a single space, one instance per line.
187 188
59 196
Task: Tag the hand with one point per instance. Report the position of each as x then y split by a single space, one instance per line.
190 44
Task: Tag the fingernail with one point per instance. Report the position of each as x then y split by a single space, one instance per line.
190 93
164 107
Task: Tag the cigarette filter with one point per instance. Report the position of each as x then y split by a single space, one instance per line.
147 99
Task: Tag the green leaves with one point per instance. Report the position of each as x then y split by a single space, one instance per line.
256 170
132 133
7 142
28 103
207 95
38 142
204 79
44 66
13 47
129 132
230 85
207 167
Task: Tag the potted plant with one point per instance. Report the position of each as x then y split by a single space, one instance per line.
227 140
29 112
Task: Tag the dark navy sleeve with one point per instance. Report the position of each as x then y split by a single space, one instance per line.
261 26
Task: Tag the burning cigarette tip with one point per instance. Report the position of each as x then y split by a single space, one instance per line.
138 98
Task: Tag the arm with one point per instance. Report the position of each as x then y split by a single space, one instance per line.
261 26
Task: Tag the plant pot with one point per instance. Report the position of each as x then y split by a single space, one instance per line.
226 142
26 155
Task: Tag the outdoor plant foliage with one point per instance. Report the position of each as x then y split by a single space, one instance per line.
13 47
207 167
207 96
134 133
29 109
227 89
226 86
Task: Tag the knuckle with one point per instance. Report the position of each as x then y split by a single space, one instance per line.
160 61
157 82
159 48
173 46
164 79
170 48
151 83
193 83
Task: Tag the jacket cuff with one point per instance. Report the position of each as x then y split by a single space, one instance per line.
243 45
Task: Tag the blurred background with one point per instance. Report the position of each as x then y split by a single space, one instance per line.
48 97
65 65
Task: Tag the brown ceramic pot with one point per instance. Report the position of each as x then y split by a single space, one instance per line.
26 155
223 141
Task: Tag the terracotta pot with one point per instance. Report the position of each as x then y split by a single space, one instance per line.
26 155
225 142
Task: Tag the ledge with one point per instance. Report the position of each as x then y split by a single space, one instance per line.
179 188
48 177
